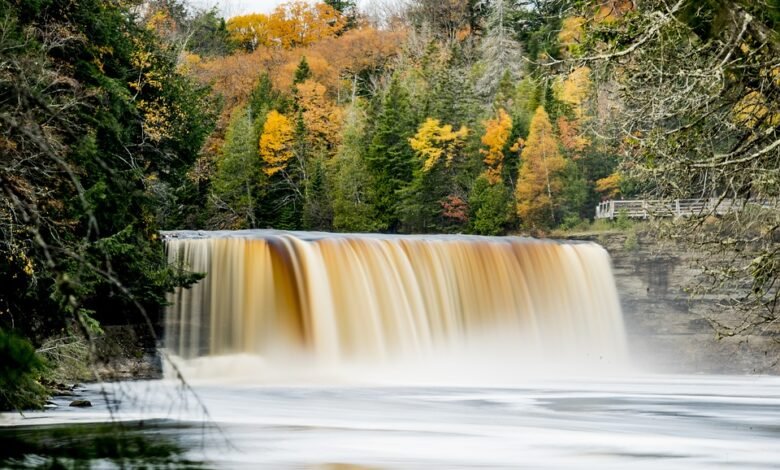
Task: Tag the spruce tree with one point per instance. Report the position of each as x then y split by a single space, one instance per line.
236 187
303 72
390 157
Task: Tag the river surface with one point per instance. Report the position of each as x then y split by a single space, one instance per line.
640 422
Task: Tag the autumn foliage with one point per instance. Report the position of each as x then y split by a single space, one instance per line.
276 143
496 136
539 181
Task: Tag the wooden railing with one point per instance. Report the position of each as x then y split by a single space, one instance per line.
645 208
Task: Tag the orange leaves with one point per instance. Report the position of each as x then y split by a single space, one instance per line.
434 140
322 118
611 10
539 180
495 139
294 24
571 136
235 75
276 143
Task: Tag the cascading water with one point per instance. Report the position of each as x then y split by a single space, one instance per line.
373 299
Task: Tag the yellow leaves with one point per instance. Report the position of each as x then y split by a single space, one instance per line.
574 89
570 35
19 257
304 23
433 140
250 31
158 117
322 118
294 24
496 135
754 110
539 179
276 143
188 62
609 187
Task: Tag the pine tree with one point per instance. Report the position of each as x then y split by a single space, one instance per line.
236 186
352 186
390 157
317 211
540 180
490 207
303 72
347 9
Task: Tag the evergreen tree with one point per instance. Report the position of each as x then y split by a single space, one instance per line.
303 72
348 9
238 180
352 190
490 206
317 211
390 157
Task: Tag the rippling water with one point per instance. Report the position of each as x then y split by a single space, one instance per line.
642 422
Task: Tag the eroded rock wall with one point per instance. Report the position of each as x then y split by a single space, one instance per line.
667 328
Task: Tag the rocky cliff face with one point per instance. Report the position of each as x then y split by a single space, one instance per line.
667 329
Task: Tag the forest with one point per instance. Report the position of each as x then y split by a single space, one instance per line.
122 118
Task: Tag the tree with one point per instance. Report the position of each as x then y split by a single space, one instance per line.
353 187
321 117
434 141
276 143
239 178
491 205
496 137
299 23
699 120
431 201
293 24
303 72
347 9
539 183
390 157
98 129
251 31
445 18
501 53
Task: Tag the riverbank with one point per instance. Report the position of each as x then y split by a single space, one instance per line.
672 324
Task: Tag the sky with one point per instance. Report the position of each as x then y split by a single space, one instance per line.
230 8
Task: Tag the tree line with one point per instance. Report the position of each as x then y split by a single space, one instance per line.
118 119
331 122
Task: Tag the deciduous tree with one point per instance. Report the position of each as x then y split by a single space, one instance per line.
276 143
539 182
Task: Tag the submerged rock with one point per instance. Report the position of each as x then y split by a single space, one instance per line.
81 403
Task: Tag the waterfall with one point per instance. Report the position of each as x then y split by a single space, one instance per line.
374 298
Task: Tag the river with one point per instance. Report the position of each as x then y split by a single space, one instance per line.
641 421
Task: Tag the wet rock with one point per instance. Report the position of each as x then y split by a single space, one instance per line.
81 403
